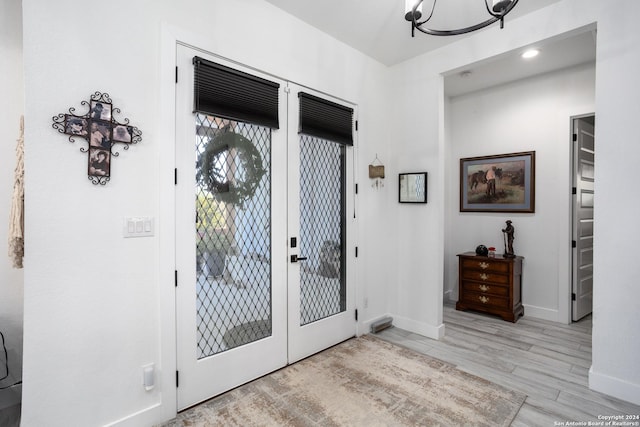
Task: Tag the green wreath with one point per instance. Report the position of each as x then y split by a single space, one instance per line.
248 160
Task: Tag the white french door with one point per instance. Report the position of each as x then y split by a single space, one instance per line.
243 308
231 264
321 240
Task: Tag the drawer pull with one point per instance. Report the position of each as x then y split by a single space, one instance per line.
483 299
483 265
484 276
484 288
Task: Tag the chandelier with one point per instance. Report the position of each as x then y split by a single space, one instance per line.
413 13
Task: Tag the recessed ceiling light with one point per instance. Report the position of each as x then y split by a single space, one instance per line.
530 53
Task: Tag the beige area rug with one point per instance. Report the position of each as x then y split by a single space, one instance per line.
362 382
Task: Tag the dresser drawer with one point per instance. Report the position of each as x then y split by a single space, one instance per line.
484 264
486 301
485 288
490 284
485 276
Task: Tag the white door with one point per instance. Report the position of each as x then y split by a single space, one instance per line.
231 252
583 200
321 240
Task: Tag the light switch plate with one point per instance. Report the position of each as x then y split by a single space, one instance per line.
138 226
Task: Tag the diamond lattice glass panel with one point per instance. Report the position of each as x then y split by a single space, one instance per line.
322 229
233 234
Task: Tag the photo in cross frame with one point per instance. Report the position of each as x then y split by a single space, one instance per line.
76 126
100 134
100 111
122 133
99 162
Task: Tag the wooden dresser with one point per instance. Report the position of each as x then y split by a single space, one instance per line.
490 284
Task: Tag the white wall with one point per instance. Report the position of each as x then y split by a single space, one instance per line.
415 289
97 306
616 336
11 108
527 115
421 140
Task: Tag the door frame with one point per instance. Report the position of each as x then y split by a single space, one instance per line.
170 37
167 366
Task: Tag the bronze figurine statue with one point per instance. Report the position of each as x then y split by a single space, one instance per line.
508 240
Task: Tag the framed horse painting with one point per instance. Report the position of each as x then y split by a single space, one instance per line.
499 183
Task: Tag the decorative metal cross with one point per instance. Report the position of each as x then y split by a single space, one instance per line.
101 131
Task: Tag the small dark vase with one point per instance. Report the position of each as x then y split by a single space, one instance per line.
482 250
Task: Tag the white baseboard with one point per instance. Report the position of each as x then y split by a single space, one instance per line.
424 329
147 416
421 328
448 296
541 313
615 387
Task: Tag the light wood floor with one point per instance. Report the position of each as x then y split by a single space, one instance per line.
547 361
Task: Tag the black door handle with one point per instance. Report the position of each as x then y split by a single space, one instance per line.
296 258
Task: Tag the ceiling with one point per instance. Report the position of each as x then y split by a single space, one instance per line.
555 54
378 29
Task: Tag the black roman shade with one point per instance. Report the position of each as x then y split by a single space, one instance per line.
325 119
231 94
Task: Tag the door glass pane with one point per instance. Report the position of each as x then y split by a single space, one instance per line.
233 234
322 229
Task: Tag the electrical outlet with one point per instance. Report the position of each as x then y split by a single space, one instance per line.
148 376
